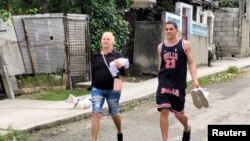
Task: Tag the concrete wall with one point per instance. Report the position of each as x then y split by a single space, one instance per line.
147 38
232 30
226 31
199 50
244 28
245 50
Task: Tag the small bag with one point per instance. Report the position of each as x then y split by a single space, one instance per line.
117 86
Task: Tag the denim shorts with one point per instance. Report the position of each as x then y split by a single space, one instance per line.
98 98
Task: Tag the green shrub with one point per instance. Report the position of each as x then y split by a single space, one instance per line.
55 95
233 69
4 15
106 18
210 57
14 135
228 3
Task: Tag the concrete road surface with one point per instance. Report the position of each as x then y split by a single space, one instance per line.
229 104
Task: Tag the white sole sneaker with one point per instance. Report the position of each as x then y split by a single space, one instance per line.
196 101
203 97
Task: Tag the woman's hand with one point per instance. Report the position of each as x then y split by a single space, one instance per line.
118 65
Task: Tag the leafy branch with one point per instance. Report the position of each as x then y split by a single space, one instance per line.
4 15
106 18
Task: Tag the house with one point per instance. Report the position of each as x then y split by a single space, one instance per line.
195 23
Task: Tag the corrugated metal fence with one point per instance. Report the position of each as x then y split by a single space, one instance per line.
41 39
49 43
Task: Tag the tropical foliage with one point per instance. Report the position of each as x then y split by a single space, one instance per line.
4 14
228 3
106 18
154 14
105 15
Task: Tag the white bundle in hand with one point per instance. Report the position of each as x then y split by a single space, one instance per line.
114 71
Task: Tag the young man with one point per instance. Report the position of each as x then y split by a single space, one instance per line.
174 54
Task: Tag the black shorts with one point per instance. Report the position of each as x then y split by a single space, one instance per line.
174 99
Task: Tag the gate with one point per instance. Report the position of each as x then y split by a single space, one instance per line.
77 48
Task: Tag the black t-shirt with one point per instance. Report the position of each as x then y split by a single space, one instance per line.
101 76
173 70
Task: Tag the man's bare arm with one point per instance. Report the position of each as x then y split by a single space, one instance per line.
159 56
191 64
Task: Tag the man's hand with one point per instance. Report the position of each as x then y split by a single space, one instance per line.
195 84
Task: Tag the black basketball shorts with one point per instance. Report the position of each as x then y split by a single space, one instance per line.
174 99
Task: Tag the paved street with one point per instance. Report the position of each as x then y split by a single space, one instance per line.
229 104
41 48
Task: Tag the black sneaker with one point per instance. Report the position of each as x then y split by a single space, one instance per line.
186 135
120 137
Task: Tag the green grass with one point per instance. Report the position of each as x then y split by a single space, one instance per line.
233 70
39 80
231 73
14 135
128 107
55 95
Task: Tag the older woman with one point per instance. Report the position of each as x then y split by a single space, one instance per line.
102 85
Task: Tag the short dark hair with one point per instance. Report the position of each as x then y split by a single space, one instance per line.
173 23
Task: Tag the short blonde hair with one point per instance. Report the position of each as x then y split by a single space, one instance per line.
110 34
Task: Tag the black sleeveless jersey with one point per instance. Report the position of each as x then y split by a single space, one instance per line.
173 69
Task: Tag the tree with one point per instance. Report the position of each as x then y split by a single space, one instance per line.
64 6
154 14
104 17
122 4
21 6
